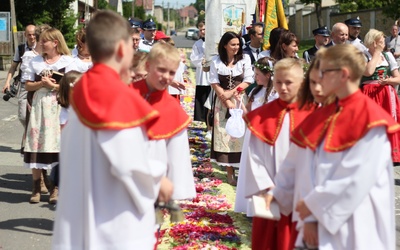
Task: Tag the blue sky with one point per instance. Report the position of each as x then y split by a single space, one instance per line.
174 3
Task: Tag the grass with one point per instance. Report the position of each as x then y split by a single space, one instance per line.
305 45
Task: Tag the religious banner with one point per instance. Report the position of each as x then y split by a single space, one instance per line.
223 16
274 17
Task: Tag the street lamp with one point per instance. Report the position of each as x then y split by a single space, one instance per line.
168 27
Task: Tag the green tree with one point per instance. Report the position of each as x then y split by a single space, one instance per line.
127 9
55 13
200 5
317 4
390 8
350 5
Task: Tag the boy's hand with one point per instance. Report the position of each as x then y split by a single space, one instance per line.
310 236
302 209
166 190
268 199
178 85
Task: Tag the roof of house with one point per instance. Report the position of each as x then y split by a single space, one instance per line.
147 4
188 11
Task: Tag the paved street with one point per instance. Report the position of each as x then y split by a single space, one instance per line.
22 225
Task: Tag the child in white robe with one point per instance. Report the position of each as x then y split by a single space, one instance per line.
109 183
346 188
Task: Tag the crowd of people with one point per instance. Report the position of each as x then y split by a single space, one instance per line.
321 137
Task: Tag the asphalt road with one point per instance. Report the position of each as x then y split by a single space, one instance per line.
182 42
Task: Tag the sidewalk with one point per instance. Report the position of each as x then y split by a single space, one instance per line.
3 75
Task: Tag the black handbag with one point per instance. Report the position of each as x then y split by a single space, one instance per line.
210 115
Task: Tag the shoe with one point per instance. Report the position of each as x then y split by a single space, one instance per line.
44 182
208 135
231 176
53 195
35 197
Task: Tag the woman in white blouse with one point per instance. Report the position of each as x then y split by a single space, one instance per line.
230 70
43 130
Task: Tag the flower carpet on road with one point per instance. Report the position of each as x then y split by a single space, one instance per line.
210 222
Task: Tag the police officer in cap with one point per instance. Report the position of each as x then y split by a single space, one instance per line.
149 32
354 25
321 36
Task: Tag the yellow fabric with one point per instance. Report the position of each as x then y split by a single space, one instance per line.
274 17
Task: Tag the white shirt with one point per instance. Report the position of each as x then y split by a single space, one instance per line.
217 67
145 47
108 188
196 57
353 195
178 77
358 44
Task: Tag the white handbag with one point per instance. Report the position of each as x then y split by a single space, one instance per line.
235 125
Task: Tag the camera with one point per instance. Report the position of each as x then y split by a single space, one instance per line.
10 93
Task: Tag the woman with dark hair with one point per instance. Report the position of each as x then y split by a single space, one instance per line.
274 36
287 46
229 71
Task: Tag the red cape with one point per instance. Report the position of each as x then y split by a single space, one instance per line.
102 101
266 121
173 119
343 124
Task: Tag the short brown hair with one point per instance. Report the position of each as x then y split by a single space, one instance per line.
80 38
345 55
139 59
100 41
66 82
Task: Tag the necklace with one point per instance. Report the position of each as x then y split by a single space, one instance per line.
52 60
84 57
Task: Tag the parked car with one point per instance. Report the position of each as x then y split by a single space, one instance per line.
196 35
190 32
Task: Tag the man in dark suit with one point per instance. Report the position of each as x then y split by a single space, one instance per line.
256 38
321 36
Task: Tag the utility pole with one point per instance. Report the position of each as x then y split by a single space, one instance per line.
14 25
133 8
168 27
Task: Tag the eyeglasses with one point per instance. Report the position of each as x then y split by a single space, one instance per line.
322 72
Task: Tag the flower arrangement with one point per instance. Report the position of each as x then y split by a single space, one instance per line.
263 67
210 223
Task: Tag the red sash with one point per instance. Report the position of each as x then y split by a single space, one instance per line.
343 124
173 119
102 101
266 121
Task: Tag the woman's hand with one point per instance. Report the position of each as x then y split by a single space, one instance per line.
48 82
378 47
229 104
227 94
